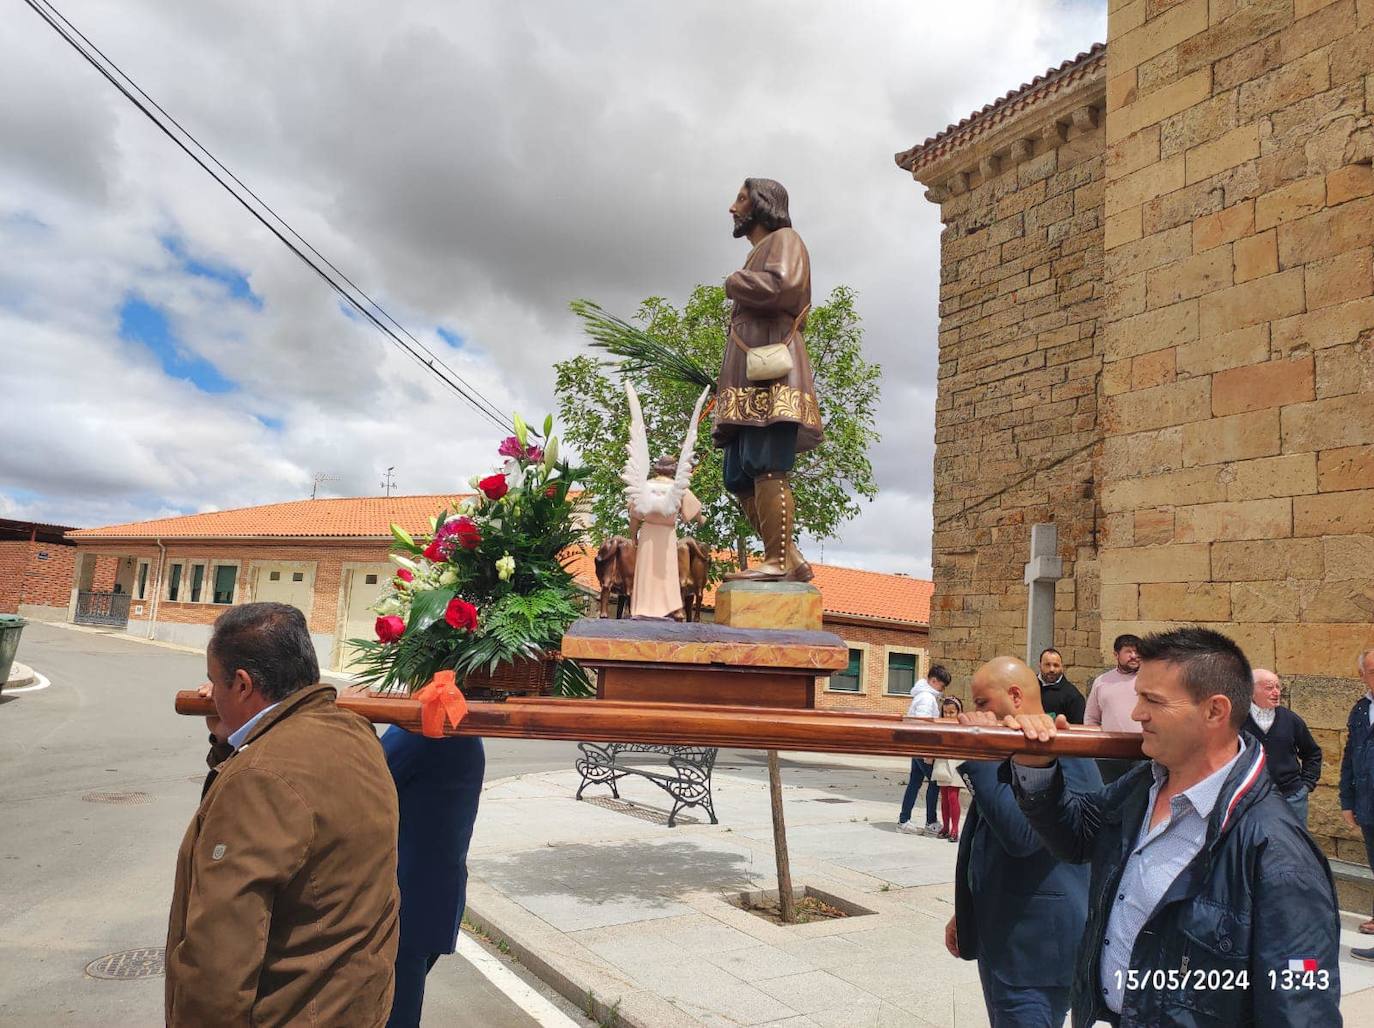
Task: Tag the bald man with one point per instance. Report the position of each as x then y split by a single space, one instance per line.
1293 757
1017 910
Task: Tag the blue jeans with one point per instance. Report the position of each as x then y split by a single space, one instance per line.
1023 1006
411 968
920 771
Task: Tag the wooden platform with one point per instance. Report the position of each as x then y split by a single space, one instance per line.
671 662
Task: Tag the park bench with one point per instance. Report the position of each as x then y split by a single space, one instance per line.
688 782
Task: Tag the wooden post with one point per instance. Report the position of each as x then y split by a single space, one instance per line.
787 903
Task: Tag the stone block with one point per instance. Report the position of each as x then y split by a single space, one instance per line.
1347 600
1287 203
1176 403
1338 279
1144 453
1324 702
1189 278
1152 369
1349 183
1256 256
1204 122
1153 527
1119 602
1349 467
1159 329
1261 299
1133 153
1323 650
1264 560
1233 520
1265 602
1349 557
1235 147
1151 181
785 605
1327 232
1257 386
1121 89
1174 563
1247 63
1331 326
1344 369
1287 84
1121 228
1326 25
1237 437
1255 640
1225 225
1339 421
1293 474
1192 601
1348 513
1230 349
1137 45
1125 490
1149 110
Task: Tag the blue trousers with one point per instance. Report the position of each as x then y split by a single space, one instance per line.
1298 803
1023 1006
920 771
411 969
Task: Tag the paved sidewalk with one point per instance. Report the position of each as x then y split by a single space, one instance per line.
596 897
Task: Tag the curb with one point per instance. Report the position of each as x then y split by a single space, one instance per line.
574 973
21 675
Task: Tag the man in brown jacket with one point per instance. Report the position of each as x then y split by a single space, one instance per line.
763 425
285 903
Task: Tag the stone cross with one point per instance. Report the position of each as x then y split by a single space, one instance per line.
1045 568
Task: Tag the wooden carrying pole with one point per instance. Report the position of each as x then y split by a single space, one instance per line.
757 728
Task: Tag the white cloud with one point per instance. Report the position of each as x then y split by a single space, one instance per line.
474 166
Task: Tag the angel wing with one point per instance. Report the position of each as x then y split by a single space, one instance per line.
689 449
636 473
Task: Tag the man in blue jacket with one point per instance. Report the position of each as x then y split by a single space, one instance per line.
1357 773
438 783
1209 903
1018 911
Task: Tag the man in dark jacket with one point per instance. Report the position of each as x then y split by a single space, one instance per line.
1057 694
1209 903
1018 911
1293 757
438 784
1357 773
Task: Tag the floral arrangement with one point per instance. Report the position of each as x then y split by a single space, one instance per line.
488 584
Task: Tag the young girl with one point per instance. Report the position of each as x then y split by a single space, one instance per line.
947 779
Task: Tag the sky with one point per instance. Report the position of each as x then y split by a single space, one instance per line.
474 166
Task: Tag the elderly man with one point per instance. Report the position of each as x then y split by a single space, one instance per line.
1017 910
1357 771
1057 694
1293 757
285 904
1209 903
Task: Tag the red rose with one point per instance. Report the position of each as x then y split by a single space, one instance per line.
389 629
435 550
405 575
464 530
494 486
461 615
550 491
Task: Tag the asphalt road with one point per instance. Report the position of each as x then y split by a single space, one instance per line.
98 779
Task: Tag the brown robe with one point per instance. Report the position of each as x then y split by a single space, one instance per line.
772 288
285 905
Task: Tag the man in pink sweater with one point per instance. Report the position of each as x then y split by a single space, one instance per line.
1112 699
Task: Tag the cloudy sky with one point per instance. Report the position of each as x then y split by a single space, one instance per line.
474 166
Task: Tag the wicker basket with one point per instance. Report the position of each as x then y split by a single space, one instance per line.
523 677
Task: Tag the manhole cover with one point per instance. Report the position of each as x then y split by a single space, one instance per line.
127 799
129 963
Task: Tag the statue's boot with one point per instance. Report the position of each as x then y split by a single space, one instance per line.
770 511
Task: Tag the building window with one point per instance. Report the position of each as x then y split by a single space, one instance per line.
224 583
197 581
370 579
298 576
275 576
901 673
173 582
851 678
142 587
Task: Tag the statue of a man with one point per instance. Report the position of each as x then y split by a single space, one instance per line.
762 424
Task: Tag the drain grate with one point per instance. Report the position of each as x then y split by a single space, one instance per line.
649 814
126 799
129 963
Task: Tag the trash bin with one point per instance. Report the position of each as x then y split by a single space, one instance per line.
11 625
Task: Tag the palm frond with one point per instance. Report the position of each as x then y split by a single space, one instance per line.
639 352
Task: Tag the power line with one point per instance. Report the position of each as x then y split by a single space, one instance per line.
429 360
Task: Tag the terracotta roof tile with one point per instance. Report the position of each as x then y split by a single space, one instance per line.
991 115
360 517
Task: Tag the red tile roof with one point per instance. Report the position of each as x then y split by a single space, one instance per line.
356 517
1089 62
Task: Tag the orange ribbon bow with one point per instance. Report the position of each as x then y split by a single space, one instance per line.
440 696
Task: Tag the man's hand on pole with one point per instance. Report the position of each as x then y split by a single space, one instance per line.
1036 727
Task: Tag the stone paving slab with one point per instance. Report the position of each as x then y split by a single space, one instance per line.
595 900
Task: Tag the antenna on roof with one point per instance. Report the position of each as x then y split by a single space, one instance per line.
317 479
389 479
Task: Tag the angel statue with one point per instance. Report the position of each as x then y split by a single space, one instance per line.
657 496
